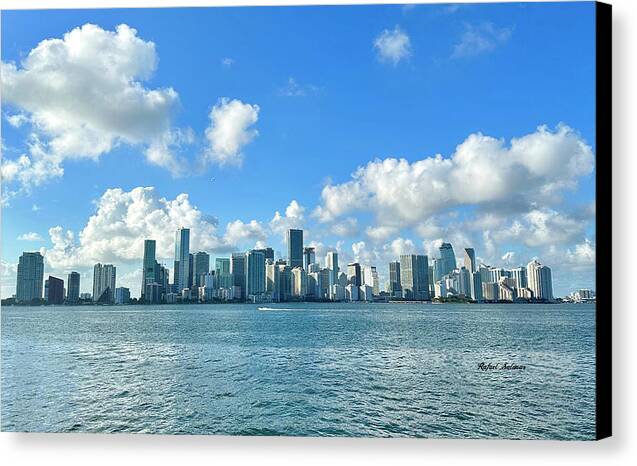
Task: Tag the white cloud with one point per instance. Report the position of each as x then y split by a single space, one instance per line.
293 218
230 130
380 233
17 120
294 89
30 236
345 227
541 227
238 232
480 39
83 95
482 172
393 46
582 254
115 233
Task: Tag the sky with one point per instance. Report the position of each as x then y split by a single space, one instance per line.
379 130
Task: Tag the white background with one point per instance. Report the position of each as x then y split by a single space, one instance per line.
71 449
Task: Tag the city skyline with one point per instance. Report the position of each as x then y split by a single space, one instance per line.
347 156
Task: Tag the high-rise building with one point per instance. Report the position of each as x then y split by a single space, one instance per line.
438 267
73 287
299 282
191 271
476 286
267 252
285 281
272 280
540 280
30 277
148 265
122 294
238 271
295 248
394 288
309 257
55 293
255 273
470 259
448 258
182 258
201 267
222 270
331 263
464 282
519 275
104 283
354 274
414 276
370 278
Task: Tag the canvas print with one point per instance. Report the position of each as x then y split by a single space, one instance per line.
353 221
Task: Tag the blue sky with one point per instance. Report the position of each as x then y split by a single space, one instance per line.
312 94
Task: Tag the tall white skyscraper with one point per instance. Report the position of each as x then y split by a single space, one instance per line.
182 258
540 280
104 283
331 263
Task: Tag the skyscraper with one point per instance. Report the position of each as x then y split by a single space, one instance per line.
238 271
104 283
201 267
470 259
182 258
394 288
222 270
30 276
519 275
448 258
295 248
309 257
73 287
254 273
414 276
540 280
268 253
354 274
56 290
148 265
331 263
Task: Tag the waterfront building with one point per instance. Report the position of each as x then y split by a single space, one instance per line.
370 278
206 294
295 248
191 271
312 285
222 271
55 290
73 287
470 259
122 295
309 257
337 292
519 276
414 276
583 295
238 271
201 267
354 274
438 266
490 291
343 280
30 277
152 293
272 280
440 289
447 257
464 282
505 291
540 280
352 292
485 276
182 259
324 283
314 267
284 290
366 293
476 286
149 265
331 263
255 274
525 293
394 289
104 283
299 282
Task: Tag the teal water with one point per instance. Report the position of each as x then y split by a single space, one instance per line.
303 369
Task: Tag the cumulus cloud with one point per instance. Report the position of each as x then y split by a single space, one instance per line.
83 95
30 236
541 227
230 130
238 232
480 39
345 227
292 218
123 219
393 46
483 172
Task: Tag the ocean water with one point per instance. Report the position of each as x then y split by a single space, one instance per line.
302 369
